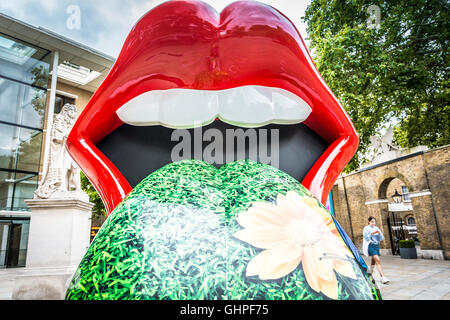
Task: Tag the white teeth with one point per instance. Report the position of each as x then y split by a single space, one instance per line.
246 106
180 108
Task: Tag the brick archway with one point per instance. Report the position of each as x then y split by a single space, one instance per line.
384 181
391 220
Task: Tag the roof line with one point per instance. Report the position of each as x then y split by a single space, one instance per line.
60 37
77 44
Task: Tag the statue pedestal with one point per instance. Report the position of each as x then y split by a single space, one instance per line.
58 239
59 231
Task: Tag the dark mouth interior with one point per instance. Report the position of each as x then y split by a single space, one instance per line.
137 151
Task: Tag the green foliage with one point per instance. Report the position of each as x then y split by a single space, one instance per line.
395 73
98 209
406 244
40 76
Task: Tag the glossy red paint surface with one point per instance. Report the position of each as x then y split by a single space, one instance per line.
187 44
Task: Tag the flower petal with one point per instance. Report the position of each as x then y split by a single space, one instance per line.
261 236
310 268
269 208
254 266
344 268
259 216
275 262
333 246
285 252
247 219
324 264
313 204
294 196
329 288
289 207
279 270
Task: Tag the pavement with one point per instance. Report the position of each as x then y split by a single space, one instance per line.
6 283
413 279
410 279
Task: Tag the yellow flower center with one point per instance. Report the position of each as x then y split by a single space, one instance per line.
303 233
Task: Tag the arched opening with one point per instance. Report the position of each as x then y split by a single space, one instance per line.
395 190
382 190
393 180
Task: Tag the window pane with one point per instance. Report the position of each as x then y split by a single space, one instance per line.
15 188
29 155
4 235
20 148
6 190
405 193
21 104
13 242
24 189
60 101
23 62
23 241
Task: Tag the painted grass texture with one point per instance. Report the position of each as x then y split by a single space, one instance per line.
171 238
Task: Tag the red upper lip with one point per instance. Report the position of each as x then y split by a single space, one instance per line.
186 44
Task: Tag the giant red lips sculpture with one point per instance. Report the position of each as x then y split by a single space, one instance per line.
189 230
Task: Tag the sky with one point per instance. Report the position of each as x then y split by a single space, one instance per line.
105 27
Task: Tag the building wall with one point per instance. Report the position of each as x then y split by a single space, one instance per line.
437 164
368 192
341 210
83 96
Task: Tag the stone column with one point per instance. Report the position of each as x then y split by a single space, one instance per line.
59 237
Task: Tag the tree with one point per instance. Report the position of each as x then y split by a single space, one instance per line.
394 70
99 209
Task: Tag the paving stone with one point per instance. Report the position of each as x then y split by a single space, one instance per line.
441 288
410 292
419 279
446 297
396 297
427 296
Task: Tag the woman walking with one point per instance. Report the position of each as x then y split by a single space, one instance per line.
371 247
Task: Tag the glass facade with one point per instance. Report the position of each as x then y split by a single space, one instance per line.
24 71
13 242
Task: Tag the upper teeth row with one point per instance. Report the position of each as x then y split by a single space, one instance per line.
246 106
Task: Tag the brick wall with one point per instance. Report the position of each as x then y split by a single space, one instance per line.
365 193
437 164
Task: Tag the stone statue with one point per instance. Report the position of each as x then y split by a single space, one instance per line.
384 143
62 176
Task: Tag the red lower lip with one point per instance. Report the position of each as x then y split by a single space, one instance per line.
184 44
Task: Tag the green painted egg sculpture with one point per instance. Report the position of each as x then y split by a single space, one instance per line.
244 231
